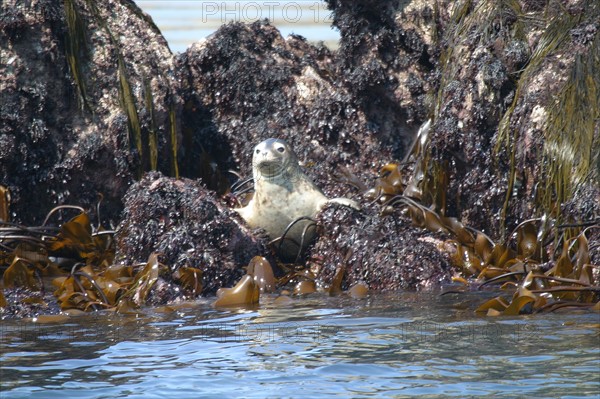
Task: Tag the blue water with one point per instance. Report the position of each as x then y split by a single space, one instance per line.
387 345
185 22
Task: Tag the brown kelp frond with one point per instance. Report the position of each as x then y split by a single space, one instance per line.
190 278
246 293
4 204
389 184
173 141
144 280
29 254
541 277
22 273
80 290
76 240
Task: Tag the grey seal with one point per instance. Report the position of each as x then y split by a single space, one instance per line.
283 194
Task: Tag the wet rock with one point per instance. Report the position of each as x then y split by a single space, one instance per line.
188 226
386 253
87 88
22 302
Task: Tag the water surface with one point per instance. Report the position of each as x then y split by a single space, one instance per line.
387 345
185 22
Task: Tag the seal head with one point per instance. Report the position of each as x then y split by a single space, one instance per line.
273 159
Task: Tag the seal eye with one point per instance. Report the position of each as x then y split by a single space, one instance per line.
257 151
281 149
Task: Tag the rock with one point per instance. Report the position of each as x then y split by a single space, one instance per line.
386 253
553 125
23 302
188 226
253 84
87 87
386 54
485 66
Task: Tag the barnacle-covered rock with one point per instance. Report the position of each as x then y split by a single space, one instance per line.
249 83
386 252
88 96
387 51
188 226
24 302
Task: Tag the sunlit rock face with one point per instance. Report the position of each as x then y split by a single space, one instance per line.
82 85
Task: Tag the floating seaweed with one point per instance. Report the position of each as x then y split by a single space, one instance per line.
245 293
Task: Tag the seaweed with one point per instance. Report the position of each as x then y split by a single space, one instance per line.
569 148
4 204
152 134
527 260
173 141
76 46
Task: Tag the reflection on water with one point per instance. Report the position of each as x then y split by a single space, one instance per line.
185 22
404 344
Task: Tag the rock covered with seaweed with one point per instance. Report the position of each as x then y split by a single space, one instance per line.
89 98
384 252
507 172
488 73
188 227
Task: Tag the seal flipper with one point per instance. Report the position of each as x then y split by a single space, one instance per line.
343 201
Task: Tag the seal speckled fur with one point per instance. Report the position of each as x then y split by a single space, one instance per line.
282 194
